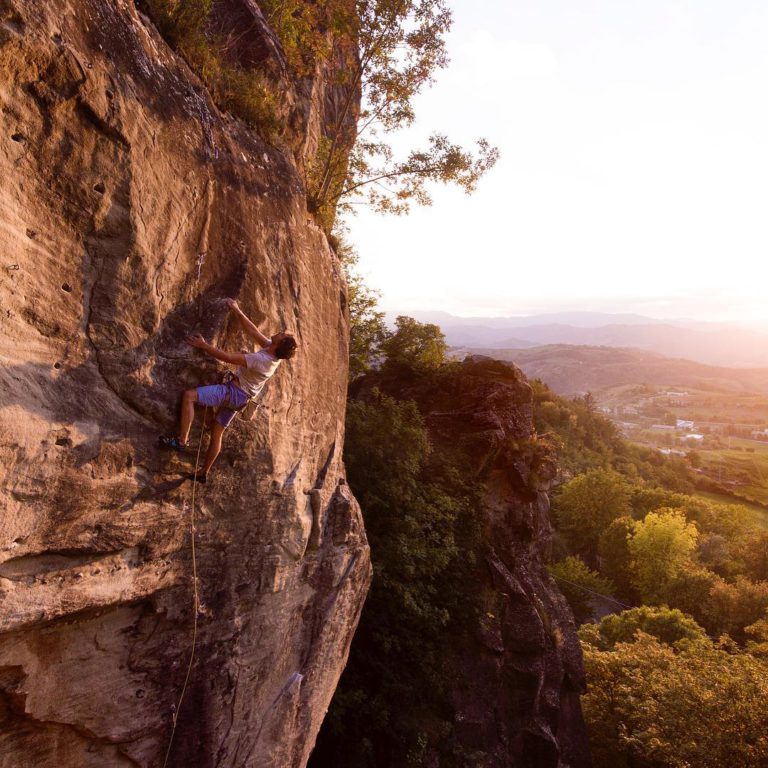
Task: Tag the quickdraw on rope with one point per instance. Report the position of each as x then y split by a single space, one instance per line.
196 606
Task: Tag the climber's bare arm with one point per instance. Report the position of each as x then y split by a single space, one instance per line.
233 358
248 326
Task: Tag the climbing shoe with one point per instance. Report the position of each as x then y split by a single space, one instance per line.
201 477
165 441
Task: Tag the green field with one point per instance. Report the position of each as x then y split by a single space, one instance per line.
760 513
743 465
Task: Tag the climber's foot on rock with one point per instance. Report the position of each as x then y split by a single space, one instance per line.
201 476
173 443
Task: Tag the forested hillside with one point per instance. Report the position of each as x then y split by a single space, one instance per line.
677 671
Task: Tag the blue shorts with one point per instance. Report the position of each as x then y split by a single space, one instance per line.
219 396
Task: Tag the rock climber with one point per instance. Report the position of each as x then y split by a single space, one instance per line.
254 370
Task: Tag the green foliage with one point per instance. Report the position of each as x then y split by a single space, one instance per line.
728 520
417 346
674 699
245 93
649 704
736 605
401 44
574 578
757 645
730 543
367 329
615 558
754 553
589 440
304 28
689 591
588 504
660 547
714 552
667 625
418 509
393 185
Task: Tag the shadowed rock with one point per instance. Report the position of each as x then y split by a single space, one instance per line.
516 674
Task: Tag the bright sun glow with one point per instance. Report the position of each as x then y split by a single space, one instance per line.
634 170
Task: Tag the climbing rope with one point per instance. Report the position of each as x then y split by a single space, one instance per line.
712 637
592 592
196 598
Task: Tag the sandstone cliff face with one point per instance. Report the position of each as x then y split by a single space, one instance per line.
129 207
517 671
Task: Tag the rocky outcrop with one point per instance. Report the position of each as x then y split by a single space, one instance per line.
129 207
516 674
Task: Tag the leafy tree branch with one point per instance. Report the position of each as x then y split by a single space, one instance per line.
401 45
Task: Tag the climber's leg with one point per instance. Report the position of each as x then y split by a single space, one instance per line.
212 397
214 447
222 420
188 400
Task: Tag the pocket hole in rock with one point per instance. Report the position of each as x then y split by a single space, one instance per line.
63 441
56 37
17 136
31 234
66 287
57 366
100 188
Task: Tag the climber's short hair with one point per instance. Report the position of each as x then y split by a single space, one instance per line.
286 348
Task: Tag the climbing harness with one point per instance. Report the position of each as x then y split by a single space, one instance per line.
229 404
226 379
177 709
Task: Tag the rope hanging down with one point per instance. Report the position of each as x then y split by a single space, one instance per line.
196 605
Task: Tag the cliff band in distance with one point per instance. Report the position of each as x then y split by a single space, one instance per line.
130 206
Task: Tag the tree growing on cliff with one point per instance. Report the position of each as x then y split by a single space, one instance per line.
417 346
367 329
401 45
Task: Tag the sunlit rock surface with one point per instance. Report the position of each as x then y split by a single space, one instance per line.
129 206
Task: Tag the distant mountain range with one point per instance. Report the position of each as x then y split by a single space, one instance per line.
572 370
717 344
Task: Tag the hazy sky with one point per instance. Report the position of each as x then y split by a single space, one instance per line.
634 170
